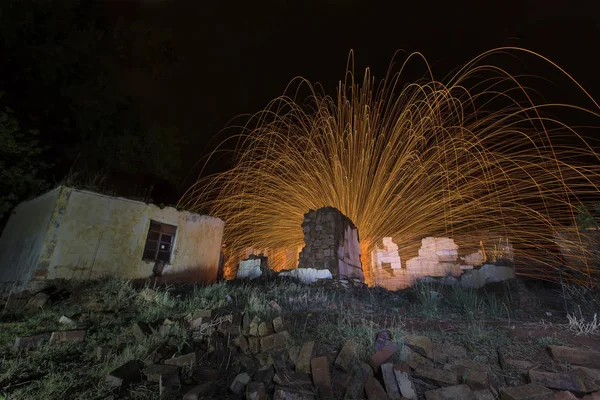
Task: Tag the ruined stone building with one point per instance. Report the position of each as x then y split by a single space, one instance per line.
76 234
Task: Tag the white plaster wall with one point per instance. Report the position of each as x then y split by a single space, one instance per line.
23 240
105 236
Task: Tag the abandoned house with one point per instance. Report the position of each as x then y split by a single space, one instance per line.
76 234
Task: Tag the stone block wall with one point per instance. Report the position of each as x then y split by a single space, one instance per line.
331 242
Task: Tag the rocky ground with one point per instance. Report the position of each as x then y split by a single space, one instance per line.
278 339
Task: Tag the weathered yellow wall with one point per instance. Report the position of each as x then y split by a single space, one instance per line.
23 241
105 236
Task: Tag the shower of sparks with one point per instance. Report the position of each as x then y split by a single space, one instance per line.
475 153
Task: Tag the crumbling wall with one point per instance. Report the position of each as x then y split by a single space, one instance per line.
331 242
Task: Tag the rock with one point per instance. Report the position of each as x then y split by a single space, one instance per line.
278 325
183 360
458 392
147 294
26 342
452 350
420 344
405 384
413 358
308 275
475 379
200 391
205 374
263 330
239 383
276 341
340 382
593 396
489 273
389 381
141 330
253 327
531 391
228 328
246 324
521 365
255 391
571 382
593 374
130 372
296 380
383 338
66 321
347 357
254 345
321 377
168 385
13 304
265 374
383 356
484 394
564 396
67 336
459 365
275 306
374 389
153 372
249 364
581 357
304 357
242 343
442 377
36 302
290 394
357 385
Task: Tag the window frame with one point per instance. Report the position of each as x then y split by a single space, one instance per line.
163 230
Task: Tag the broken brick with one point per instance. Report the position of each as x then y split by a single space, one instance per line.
321 377
200 391
389 381
26 342
461 392
153 372
141 330
68 336
357 384
582 357
571 382
346 359
405 383
383 356
183 360
278 324
531 391
265 374
276 341
255 391
437 375
239 383
130 372
304 357
374 389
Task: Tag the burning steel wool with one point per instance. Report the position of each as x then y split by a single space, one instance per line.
478 152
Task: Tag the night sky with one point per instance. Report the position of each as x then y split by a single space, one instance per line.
233 57
236 56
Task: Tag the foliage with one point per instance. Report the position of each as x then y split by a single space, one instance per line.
20 165
74 72
585 219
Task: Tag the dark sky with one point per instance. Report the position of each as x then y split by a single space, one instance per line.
236 56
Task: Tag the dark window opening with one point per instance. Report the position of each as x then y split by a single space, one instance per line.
159 242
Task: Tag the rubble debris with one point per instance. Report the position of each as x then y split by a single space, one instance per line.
531 391
130 372
68 336
346 359
238 386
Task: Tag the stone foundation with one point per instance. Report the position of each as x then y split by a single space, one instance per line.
331 242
